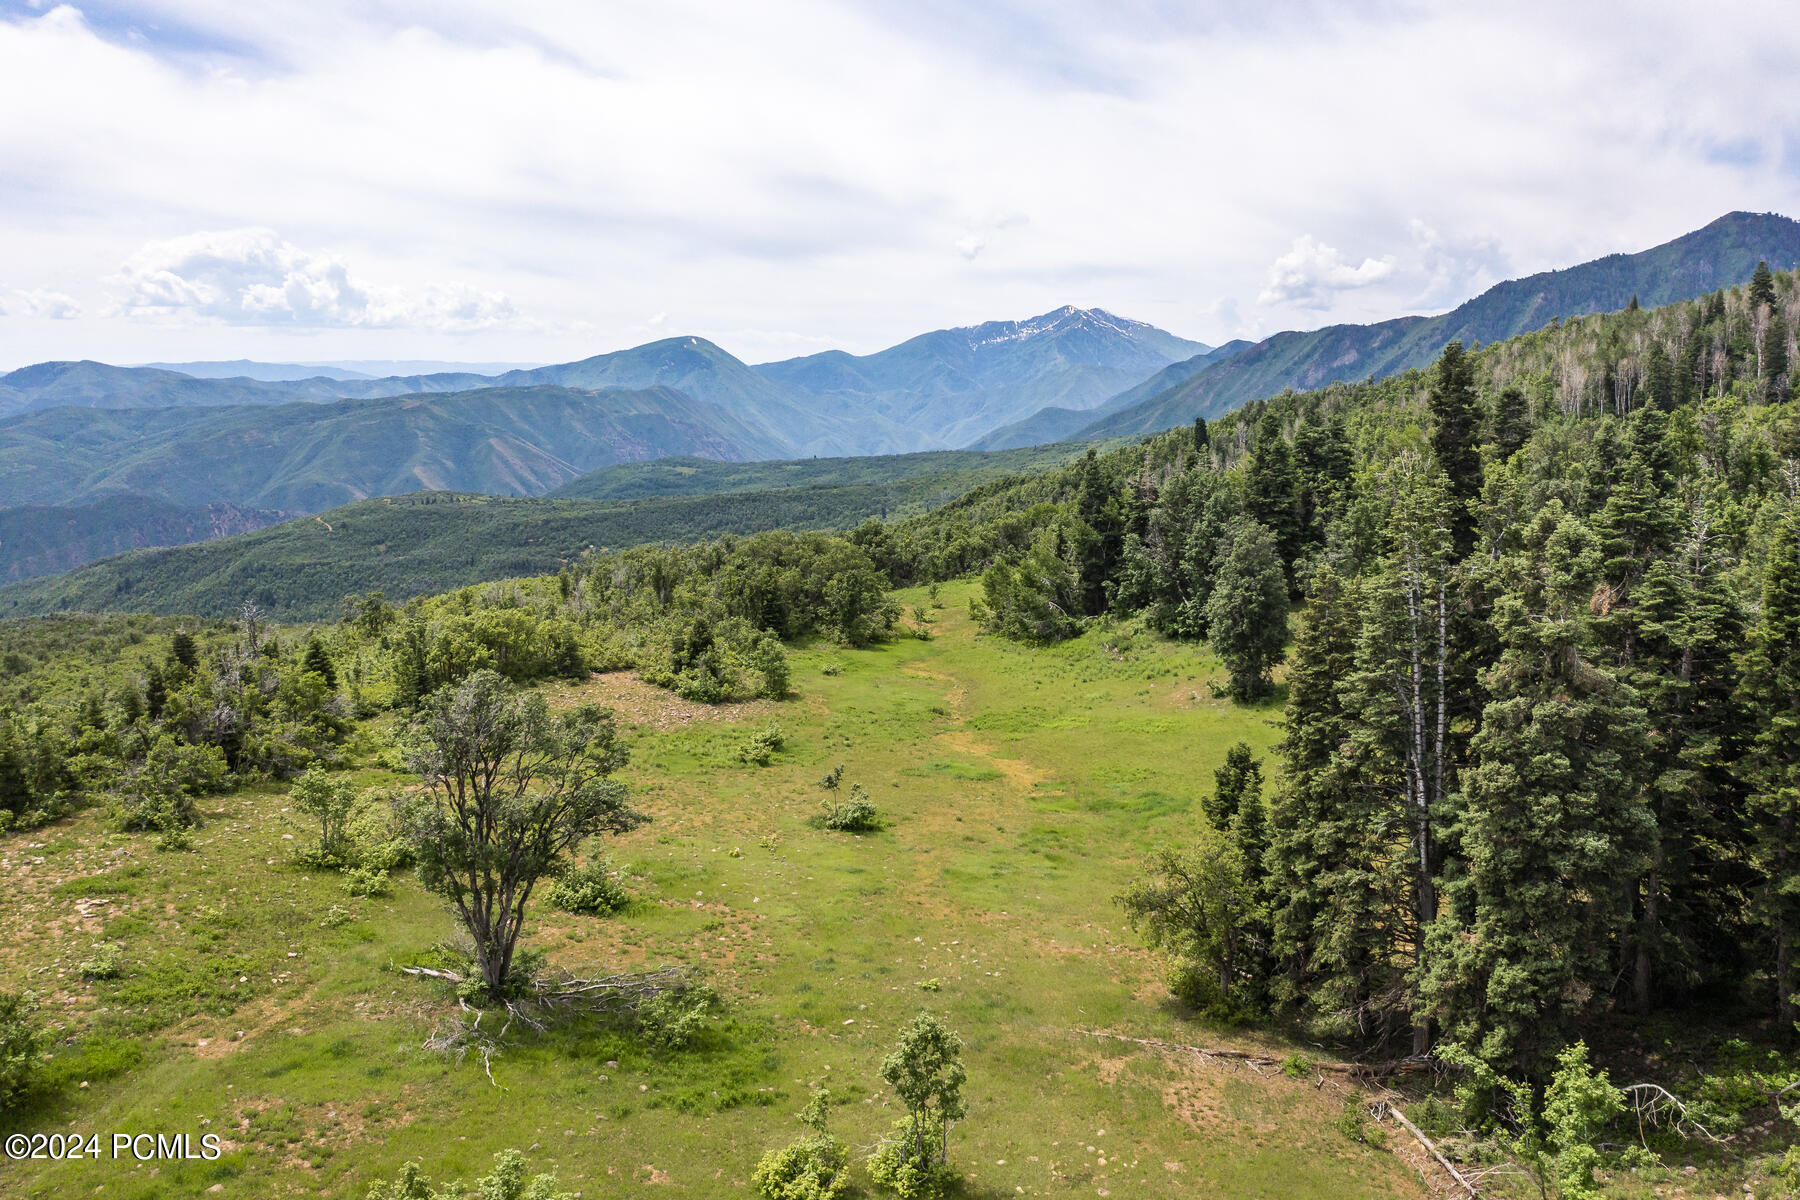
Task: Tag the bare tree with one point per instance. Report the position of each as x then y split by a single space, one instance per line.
512 789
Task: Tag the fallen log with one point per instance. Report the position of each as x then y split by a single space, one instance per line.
1416 1064
1382 1108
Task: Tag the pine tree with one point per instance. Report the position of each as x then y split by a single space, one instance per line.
1553 819
1202 440
1334 880
1772 684
156 691
1237 782
1762 288
1097 506
317 661
1402 690
1247 610
1511 422
1456 425
1659 376
1324 460
1272 489
182 650
1690 924
1775 360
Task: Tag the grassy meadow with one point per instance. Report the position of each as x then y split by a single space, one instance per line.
1021 785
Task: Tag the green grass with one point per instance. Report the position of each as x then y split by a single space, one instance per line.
1020 788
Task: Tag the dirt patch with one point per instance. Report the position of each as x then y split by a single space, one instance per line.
644 706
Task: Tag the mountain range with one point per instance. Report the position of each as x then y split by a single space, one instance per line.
1723 253
77 436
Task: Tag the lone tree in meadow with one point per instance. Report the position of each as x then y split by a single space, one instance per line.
926 1072
512 789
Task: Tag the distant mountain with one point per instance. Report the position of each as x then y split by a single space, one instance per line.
98 385
40 540
953 386
308 457
1722 254
264 372
690 365
1054 424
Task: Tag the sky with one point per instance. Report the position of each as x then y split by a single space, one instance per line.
309 180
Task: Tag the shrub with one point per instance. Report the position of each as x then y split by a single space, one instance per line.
366 882
507 1182
673 1019
18 1045
856 813
816 1167
108 962
762 745
593 890
336 917
908 1162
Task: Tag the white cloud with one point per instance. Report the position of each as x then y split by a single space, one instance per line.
827 166
40 303
1309 275
254 277
969 245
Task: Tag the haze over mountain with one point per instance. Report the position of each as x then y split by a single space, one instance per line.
1721 254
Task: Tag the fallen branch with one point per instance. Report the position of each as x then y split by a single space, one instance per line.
1656 1104
1381 1108
1380 1070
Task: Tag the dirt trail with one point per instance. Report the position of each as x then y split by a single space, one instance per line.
1018 773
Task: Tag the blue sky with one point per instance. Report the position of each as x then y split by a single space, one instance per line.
541 181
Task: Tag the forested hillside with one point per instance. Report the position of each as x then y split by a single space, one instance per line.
309 457
46 540
1720 255
425 542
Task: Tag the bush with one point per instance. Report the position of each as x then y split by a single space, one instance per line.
762 745
912 1171
18 1045
856 813
108 962
814 1168
507 1182
366 882
674 1019
594 890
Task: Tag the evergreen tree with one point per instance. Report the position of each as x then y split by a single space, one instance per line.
1402 689
1511 422
1202 439
182 650
1247 610
1659 376
317 661
1324 460
1775 359
1334 879
1690 905
1762 288
1772 683
156 691
1272 489
1455 427
1553 818
1237 783
1097 506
